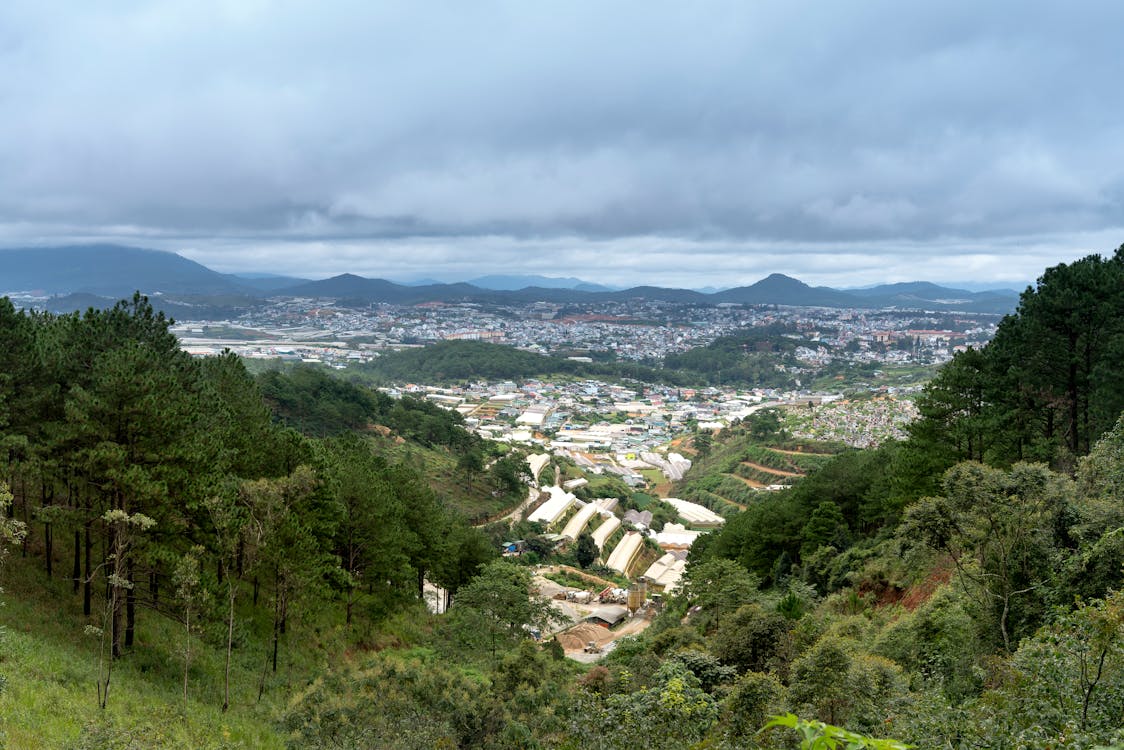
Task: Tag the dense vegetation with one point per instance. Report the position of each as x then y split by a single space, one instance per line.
748 359
960 589
147 479
461 361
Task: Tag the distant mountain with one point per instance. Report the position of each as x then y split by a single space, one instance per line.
778 289
682 296
925 295
918 289
108 271
348 286
264 282
187 307
186 288
515 282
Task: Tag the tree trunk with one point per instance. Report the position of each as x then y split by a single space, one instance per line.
130 607
229 646
276 623
26 517
186 649
113 568
87 581
49 549
1090 685
76 571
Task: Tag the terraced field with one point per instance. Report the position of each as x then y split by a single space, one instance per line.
729 479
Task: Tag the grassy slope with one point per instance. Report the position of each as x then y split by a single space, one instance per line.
49 670
471 496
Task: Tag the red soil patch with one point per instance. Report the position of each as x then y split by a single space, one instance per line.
918 594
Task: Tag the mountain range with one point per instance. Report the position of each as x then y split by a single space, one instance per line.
75 276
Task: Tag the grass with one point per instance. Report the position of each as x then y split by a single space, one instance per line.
562 578
470 495
48 674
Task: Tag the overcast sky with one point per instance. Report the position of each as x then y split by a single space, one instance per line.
675 143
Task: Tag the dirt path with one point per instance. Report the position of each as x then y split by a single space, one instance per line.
768 470
683 444
602 582
799 453
750 482
516 512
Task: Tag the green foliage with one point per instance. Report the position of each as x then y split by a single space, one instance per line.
754 639
1096 521
998 528
113 425
746 358
1067 680
406 701
316 403
674 712
719 588
939 641
496 609
319 404
510 474
840 683
843 502
816 735
585 550
464 361
282 550
753 698
1046 387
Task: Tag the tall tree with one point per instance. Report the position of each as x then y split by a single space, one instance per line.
497 607
997 527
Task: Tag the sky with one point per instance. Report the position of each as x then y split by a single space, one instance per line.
685 144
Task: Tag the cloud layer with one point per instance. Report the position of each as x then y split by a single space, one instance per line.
697 143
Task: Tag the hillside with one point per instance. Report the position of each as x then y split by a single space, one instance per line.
405 431
110 271
942 589
748 359
740 465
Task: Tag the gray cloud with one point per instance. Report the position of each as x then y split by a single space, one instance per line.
660 141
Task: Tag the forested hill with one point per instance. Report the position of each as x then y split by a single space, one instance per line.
971 572
152 485
748 359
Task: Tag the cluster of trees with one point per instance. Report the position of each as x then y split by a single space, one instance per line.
158 476
1047 386
460 361
977 589
313 401
744 359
